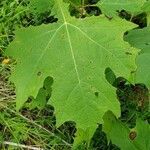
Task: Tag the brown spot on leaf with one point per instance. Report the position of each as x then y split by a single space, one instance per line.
39 73
96 94
128 53
133 72
132 135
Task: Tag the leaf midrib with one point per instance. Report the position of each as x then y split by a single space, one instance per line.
71 48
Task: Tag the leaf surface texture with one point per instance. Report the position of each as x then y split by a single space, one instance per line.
75 53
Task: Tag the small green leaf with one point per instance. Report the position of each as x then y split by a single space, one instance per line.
140 38
41 6
124 137
146 8
40 100
110 7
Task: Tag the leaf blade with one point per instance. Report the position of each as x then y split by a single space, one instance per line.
80 92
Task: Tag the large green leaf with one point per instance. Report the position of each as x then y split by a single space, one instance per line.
140 38
110 7
75 52
126 138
